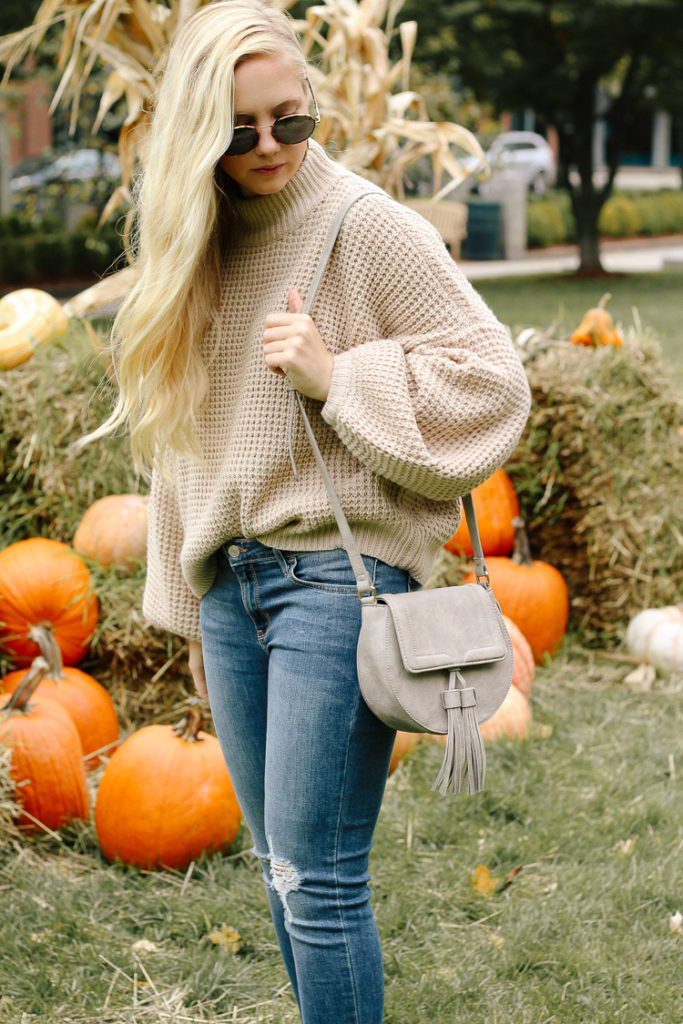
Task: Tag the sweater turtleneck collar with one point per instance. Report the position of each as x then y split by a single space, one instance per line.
267 218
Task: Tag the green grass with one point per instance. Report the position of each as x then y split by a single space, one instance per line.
588 810
538 301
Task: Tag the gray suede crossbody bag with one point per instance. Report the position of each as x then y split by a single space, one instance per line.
432 661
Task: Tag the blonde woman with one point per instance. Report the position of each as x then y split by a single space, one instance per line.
416 395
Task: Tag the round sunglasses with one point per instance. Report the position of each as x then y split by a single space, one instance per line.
288 130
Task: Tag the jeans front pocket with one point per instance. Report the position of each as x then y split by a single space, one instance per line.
326 570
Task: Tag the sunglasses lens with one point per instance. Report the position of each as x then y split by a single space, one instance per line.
288 130
291 130
243 140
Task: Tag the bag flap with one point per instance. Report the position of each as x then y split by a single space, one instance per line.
449 627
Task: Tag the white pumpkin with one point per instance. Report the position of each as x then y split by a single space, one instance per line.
656 636
29 318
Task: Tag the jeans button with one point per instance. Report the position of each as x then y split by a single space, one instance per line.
233 551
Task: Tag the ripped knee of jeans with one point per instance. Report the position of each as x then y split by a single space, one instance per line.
282 876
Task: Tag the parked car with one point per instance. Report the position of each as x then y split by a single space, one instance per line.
526 153
74 165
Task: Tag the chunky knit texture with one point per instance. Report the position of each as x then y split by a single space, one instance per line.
428 396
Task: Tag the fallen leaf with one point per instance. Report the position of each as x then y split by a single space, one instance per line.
642 678
481 881
676 922
227 937
144 946
510 875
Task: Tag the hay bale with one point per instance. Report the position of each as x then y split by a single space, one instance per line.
599 473
9 805
46 404
144 668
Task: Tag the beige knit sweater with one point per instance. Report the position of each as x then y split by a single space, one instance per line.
427 399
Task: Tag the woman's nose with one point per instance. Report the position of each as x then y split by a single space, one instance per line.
267 143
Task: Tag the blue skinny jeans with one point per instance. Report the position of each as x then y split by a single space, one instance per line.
307 758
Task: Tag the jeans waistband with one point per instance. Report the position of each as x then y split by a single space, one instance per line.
247 549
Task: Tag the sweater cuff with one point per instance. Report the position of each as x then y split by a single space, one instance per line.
342 376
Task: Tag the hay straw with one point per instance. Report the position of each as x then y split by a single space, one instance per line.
9 807
46 404
599 473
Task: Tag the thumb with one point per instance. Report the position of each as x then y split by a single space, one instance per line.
295 304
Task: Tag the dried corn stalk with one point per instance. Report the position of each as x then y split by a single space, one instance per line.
378 126
369 114
377 130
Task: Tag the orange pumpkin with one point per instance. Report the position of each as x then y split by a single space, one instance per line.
512 719
597 327
43 583
403 744
496 505
531 593
113 530
523 665
88 703
46 756
165 797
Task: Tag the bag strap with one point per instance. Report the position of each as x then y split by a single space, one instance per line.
366 590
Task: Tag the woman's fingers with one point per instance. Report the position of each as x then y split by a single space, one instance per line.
295 304
196 665
293 346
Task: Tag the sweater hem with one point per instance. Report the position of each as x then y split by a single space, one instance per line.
375 541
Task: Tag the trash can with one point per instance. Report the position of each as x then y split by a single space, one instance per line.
483 238
509 188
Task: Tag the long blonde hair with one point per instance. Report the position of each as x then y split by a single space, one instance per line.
182 213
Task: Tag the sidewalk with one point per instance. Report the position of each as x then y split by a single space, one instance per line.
634 255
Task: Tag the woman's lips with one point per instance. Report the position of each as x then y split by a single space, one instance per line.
269 170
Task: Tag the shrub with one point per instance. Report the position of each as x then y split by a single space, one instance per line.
660 212
51 254
32 250
16 224
91 253
16 259
550 220
619 217
545 224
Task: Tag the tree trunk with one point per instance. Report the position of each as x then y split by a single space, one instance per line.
588 236
586 199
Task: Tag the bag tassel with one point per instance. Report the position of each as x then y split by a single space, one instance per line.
464 745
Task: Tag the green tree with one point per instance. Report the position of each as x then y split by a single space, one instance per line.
665 92
572 62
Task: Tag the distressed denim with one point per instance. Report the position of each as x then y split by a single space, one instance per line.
307 758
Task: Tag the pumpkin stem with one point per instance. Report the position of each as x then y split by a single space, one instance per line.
24 691
188 727
521 554
44 637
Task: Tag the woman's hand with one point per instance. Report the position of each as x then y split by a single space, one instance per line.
196 663
293 348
